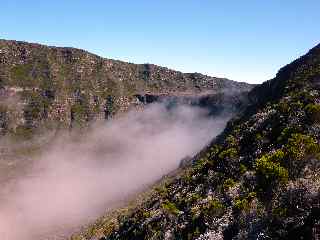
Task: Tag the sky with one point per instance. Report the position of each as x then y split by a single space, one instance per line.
242 40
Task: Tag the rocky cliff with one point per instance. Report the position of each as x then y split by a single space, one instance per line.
51 87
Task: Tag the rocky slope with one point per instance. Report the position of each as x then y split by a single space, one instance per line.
258 180
51 87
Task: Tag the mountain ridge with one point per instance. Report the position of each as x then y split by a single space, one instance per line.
112 59
56 87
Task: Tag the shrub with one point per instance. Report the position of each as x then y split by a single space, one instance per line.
241 204
187 177
298 148
276 156
244 203
313 112
229 183
300 145
20 75
213 208
80 112
269 171
251 196
259 137
162 191
202 163
231 141
284 107
229 153
194 197
170 208
214 150
286 133
242 168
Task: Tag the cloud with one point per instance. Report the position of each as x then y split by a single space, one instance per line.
80 175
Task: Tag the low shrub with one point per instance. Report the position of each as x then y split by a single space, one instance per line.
313 112
269 170
170 208
228 183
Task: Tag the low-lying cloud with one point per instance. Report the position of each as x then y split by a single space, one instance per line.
80 176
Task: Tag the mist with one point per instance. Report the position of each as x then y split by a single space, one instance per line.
81 176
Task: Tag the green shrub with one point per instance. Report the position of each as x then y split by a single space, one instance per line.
286 133
201 163
300 145
229 183
276 156
213 208
170 208
242 168
215 150
298 149
259 137
231 141
78 109
284 107
20 75
241 204
194 197
162 191
229 153
313 112
269 170
80 112
251 196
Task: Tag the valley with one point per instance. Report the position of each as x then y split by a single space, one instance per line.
77 143
153 153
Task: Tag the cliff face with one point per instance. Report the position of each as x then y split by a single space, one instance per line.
258 180
51 87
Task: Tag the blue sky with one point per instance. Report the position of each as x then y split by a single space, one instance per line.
242 40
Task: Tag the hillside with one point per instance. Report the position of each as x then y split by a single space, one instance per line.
45 87
259 179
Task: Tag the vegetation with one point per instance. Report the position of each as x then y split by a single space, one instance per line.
313 111
228 183
213 208
170 208
71 87
269 170
266 156
259 178
21 75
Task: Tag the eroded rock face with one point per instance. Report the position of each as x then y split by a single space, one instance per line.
67 87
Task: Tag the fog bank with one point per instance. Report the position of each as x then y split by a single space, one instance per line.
81 176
